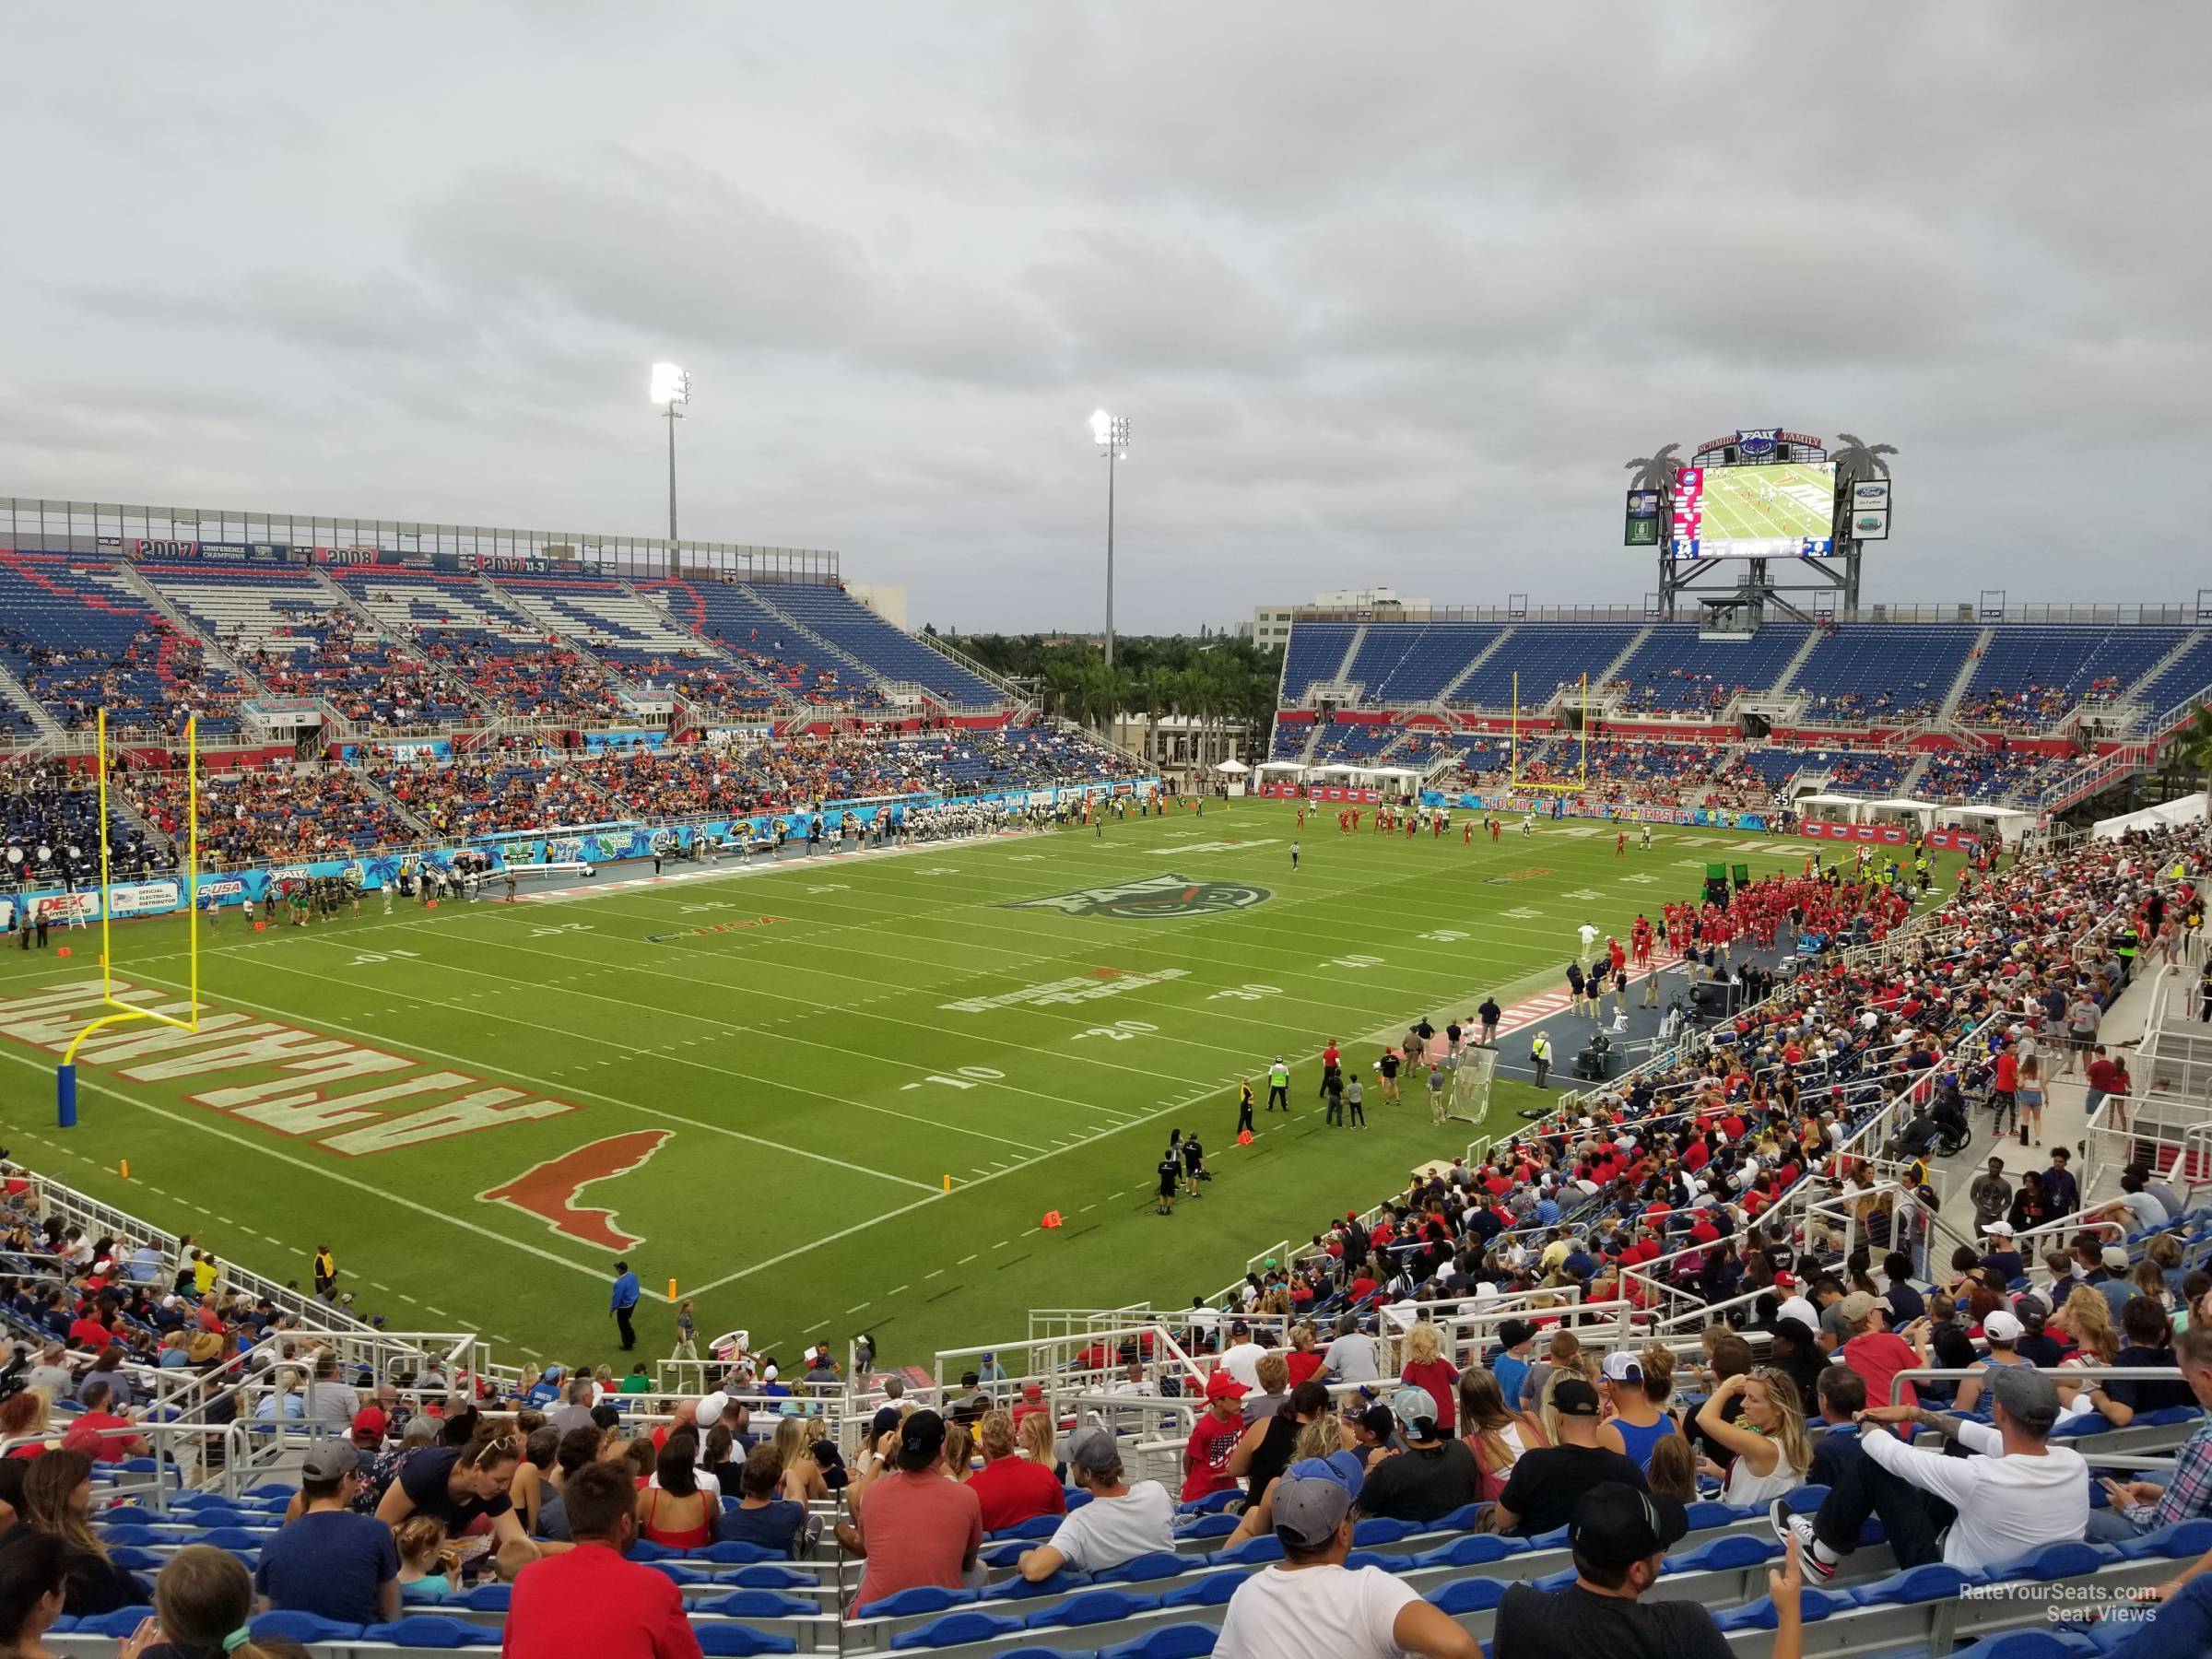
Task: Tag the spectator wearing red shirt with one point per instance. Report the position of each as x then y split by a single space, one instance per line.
86 1428
1212 1437
1874 1354
1031 1403
1304 1359
1427 1368
588 1599
913 1525
1010 1488
88 1332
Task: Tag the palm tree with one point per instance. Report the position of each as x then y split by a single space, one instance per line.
1656 470
2188 754
1856 459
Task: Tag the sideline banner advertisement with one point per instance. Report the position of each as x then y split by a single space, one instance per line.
592 845
1890 835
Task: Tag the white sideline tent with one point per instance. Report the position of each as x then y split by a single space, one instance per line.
1836 808
1921 813
1232 772
2009 822
2190 809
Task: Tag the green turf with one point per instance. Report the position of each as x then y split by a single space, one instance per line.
818 1088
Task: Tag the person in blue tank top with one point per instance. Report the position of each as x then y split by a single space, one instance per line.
1637 1422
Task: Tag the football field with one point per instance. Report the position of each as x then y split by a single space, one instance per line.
1748 503
758 1082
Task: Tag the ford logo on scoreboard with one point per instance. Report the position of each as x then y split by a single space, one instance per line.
1870 492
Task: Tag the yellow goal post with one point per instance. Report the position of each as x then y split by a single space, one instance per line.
119 1010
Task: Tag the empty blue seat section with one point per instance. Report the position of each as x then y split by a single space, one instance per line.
2032 674
735 619
1313 653
2187 676
1548 657
1676 669
1876 671
833 613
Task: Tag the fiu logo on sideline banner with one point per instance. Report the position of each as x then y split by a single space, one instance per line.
1154 897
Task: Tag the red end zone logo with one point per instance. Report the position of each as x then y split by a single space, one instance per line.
548 1191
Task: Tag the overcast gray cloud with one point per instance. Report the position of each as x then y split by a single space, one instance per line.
1390 293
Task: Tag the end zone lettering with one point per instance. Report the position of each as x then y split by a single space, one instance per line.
1151 899
273 1074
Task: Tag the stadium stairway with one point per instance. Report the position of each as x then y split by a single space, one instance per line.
1790 669
453 686
1444 696
799 628
1351 653
212 651
28 710
1966 675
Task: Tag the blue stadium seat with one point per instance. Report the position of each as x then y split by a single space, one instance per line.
1091 1607
1211 1590
1207 1527
951 1629
1732 1549
729 1552
728 1639
1467 1595
2068 1559
1476 1549
1170 1641
769 1604
306 1628
433 1631
1812 1604
2183 1539
487 1599
1250 1551
1933 1581
1159 1564
1022 1589
914 1598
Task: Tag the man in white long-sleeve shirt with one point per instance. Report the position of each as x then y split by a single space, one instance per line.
2018 1493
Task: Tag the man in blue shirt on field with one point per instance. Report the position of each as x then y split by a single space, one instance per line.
623 1300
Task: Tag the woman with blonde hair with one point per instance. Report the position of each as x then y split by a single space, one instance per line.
794 1459
203 1601
2087 1317
1773 1450
1427 1368
1033 1434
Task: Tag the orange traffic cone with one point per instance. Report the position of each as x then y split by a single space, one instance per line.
1244 1138
1052 1219
63 950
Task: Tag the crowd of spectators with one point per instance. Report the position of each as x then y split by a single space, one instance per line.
277 812
367 680
150 684
48 816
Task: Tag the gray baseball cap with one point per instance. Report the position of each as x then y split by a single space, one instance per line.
1091 1449
330 1460
1308 1510
2029 1397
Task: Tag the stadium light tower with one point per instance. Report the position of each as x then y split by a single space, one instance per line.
671 387
1110 433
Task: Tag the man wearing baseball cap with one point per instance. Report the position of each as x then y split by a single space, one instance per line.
2001 1258
1212 1437
1875 1353
2020 1493
1433 1475
1120 1523
330 1561
916 1527
1620 1537
1312 1603
1548 1482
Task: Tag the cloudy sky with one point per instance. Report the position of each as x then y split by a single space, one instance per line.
1390 293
